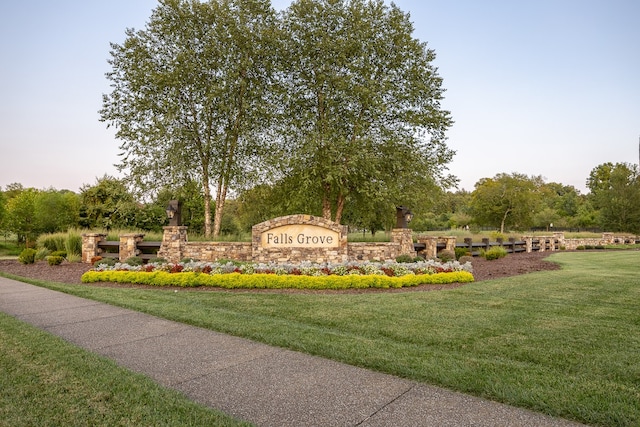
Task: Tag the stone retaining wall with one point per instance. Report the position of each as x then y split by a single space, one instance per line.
213 251
606 239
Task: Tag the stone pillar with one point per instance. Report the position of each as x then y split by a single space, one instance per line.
129 246
543 243
430 246
449 243
403 237
174 239
559 236
90 247
528 240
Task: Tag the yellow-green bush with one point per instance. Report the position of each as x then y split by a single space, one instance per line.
272 281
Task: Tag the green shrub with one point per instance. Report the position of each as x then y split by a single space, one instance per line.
580 248
134 260
27 256
404 258
598 247
55 259
495 253
157 260
465 258
62 254
460 252
447 255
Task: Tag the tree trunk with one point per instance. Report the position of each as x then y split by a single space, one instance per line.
340 207
326 201
504 219
221 197
207 206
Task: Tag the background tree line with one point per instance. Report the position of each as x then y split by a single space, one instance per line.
505 202
329 107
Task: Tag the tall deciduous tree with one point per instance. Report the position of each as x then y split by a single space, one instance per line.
189 96
615 192
21 216
56 210
506 201
362 109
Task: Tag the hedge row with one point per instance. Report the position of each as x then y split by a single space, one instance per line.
273 281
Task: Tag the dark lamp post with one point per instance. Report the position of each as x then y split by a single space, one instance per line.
403 216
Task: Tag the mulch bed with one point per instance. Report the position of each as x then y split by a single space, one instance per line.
511 265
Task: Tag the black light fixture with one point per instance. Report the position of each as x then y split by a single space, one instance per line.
170 211
408 216
173 212
403 216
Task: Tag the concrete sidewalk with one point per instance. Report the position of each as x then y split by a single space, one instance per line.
264 385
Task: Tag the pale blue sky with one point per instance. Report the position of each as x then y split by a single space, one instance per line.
548 87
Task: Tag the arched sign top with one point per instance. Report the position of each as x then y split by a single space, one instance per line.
298 231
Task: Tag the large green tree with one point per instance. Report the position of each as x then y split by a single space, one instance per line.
189 96
107 204
362 119
506 200
56 211
615 193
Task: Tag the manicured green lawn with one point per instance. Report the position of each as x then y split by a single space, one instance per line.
566 343
47 381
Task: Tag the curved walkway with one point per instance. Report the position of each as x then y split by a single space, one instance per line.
264 385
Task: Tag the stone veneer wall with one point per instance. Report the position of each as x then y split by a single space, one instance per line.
213 251
380 251
607 239
175 245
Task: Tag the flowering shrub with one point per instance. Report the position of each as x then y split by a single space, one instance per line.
305 275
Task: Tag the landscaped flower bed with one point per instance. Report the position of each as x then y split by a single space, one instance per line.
278 276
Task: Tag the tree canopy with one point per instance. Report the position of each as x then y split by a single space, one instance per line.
341 91
363 120
507 200
615 193
189 95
